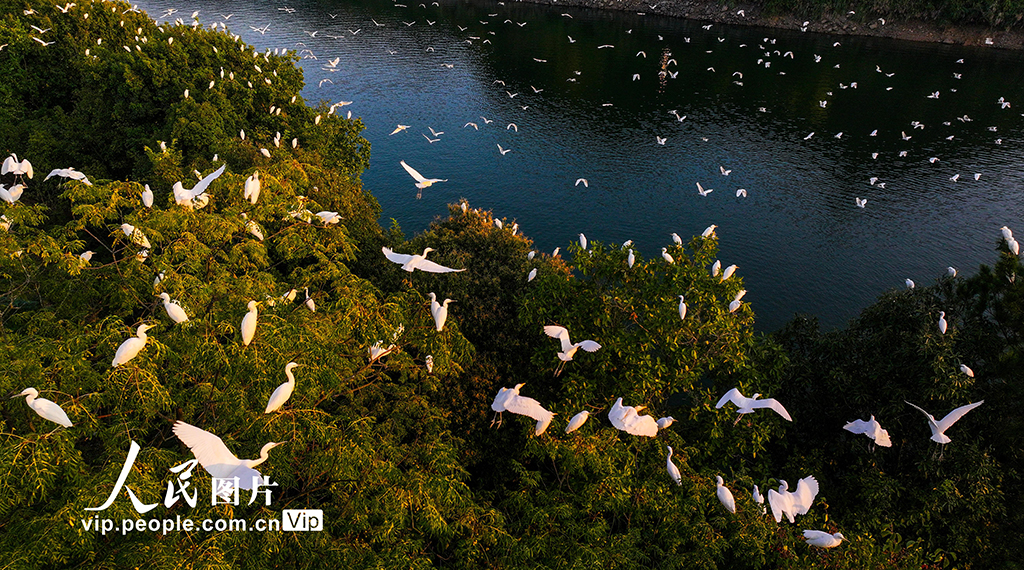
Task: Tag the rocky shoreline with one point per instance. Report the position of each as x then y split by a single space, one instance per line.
847 24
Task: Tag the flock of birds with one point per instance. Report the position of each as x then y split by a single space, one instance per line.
215 457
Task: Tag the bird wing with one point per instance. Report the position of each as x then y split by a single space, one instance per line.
412 172
561 333
399 258
952 417
431 267
778 503
209 449
279 397
817 535
589 345
730 396
773 404
203 184
616 413
858 426
806 491
51 411
931 419
527 407
642 425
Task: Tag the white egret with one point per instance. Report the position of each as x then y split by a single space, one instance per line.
249 322
630 258
577 421
909 283
725 495
399 129
748 405
147 197
792 503
378 350
716 267
568 347
677 239
135 235
665 255
284 391
309 302
673 471
728 272
702 191
554 253
215 457
13 166
665 422
629 420
1013 246
758 498
439 311
430 364
939 427
583 241
251 188
741 192
530 276
252 227
131 348
421 181
328 217
509 400
942 322
709 231
45 408
71 173
822 539
196 197
173 309
951 271
13 195
411 262
1007 232
682 308
966 370
870 428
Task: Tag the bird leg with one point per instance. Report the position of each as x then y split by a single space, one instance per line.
496 419
738 418
558 370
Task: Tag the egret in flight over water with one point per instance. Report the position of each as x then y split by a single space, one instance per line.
45 408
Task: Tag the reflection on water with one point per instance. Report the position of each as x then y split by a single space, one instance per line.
576 93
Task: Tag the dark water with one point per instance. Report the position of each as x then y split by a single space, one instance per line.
799 240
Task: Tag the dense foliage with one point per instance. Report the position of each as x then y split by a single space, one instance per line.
401 456
1002 13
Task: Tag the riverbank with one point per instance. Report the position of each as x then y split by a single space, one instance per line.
848 24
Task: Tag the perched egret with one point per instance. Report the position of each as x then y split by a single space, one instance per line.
673 471
682 308
677 239
568 347
870 428
328 217
725 495
758 498
939 427
822 539
309 302
135 235
284 391
131 348
251 189
942 322
630 258
951 271
665 422
215 457
173 309
530 276
411 262
147 197
665 255
792 503
910 283
196 197
45 408
748 405
966 370
249 322
709 232
583 241
728 272
716 267
439 311
378 350
577 421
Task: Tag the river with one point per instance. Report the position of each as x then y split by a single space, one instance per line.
592 94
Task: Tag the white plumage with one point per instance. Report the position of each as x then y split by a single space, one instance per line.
748 405
870 428
412 262
792 503
45 408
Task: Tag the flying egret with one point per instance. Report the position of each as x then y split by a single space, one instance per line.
173 309
568 347
251 188
682 308
665 255
411 262
792 503
249 323
218 461
284 391
665 422
942 322
421 181
13 166
939 427
45 408
131 347
870 428
725 495
509 400
439 311
673 471
966 370
135 235
748 405
195 196
577 421
822 539
629 420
